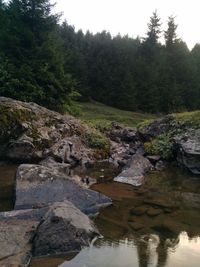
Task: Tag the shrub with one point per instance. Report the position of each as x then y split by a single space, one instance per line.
161 145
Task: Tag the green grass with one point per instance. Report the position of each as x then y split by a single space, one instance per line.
100 115
190 118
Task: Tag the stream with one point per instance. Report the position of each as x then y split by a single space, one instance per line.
156 225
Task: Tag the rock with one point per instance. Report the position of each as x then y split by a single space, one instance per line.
138 211
29 132
154 158
38 186
156 128
160 165
21 149
191 200
160 202
134 174
15 242
64 228
54 229
122 134
136 226
153 212
188 150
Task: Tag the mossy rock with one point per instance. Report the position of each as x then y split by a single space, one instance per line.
11 121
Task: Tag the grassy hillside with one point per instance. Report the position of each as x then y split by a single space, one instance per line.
100 115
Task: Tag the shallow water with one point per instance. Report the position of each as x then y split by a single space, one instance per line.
7 178
156 225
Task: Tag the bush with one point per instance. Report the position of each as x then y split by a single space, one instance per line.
161 145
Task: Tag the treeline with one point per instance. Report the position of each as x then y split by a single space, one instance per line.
45 62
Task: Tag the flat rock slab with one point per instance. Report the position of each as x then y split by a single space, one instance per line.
15 241
38 186
134 174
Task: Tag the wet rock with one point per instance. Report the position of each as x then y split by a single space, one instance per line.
153 212
38 186
190 199
160 202
188 150
134 174
161 165
136 226
138 211
64 228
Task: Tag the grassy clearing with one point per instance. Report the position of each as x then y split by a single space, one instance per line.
100 115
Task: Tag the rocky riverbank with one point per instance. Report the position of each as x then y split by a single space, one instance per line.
49 199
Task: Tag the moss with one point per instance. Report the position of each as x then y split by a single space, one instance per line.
191 119
161 145
11 120
97 141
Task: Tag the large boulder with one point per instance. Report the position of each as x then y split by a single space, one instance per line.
134 173
29 132
188 150
64 228
37 186
54 229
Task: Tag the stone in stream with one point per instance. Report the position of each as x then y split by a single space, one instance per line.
15 241
38 186
188 150
63 228
134 174
58 228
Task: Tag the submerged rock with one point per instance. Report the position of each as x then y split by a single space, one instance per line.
134 174
38 186
64 228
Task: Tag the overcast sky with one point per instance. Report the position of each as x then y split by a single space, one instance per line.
131 16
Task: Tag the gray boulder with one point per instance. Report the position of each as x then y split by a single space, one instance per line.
54 229
29 132
188 150
15 241
134 174
64 228
37 186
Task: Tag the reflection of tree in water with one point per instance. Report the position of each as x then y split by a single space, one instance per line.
153 249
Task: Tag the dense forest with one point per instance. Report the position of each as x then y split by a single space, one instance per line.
50 63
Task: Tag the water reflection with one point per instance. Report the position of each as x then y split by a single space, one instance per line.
156 225
7 178
149 251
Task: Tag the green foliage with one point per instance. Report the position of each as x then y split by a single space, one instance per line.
96 140
191 119
45 62
161 145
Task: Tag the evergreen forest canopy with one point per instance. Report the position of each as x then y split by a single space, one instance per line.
48 63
